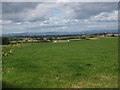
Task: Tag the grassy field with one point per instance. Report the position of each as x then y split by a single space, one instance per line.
75 64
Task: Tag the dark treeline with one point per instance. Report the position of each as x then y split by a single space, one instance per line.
49 38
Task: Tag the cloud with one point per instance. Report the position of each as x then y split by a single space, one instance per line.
27 11
86 10
59 16
42 11
15 7
60 1
5 21
105 17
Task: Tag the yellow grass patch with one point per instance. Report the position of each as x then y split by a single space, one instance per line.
102 81
93 38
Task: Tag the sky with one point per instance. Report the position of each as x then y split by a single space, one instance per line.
21 17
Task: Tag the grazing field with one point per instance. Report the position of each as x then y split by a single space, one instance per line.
75 64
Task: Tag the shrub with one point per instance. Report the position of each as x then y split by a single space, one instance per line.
5 41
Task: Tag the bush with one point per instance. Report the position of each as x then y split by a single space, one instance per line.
5 41
82 37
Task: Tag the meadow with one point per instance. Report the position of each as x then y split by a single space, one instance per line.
74 64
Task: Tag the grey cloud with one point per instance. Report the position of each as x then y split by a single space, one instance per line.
16 10
85 10
21 11
15 7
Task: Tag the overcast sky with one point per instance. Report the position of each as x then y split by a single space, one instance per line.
19 17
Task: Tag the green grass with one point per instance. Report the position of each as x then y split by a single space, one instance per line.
76 64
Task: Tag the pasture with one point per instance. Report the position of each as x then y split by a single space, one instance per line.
75 64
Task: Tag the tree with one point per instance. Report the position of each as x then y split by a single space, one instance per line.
5 41
51 39
83 37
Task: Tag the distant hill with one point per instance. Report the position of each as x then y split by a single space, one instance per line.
58 33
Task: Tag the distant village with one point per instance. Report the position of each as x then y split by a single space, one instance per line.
55 38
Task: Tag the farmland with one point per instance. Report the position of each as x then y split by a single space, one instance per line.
74 64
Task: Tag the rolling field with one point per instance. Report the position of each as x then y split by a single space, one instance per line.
75 64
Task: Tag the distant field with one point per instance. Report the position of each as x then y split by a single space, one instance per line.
75 64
